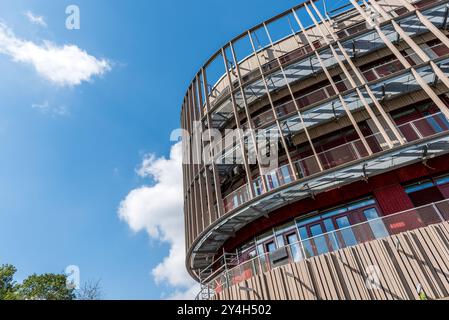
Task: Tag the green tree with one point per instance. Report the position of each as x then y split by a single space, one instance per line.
8 287
46 287
35 287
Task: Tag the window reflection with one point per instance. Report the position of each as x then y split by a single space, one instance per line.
346 234
377 225
321 232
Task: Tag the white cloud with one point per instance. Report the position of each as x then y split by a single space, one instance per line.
158 210
35 19
52 110
65 65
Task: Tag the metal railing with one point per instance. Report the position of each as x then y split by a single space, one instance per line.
305 100
370 230
322 94
337 156
218 96
393 66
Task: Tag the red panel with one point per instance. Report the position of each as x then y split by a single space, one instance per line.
385 187
445 190
392 199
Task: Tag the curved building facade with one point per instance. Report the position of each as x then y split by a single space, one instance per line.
356 94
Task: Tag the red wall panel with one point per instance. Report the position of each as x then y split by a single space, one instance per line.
386 188
392 199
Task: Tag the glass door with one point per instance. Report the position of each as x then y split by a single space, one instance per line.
345 234
377 225
295 248
318 242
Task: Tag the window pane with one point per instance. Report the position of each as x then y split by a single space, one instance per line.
303 233
346 234
280 241
271 247
295 248
319 241
419 186
316 230
293 238
376 224
443 180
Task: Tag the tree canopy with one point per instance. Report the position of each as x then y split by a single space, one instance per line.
35 287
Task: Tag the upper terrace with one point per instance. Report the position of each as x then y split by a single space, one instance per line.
282 41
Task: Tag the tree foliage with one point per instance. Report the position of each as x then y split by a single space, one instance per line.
8 287
46 287
35 287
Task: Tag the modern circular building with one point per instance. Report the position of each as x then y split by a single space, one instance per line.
349 99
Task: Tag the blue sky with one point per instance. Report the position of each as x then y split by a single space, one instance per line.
69 153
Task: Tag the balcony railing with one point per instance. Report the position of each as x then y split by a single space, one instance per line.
394 66
305 100
370 230
321 94
218 96
236 198
337 156
362 26
424 3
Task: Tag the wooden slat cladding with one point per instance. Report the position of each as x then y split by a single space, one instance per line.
402 263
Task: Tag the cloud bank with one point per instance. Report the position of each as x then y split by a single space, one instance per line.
158 210
65 65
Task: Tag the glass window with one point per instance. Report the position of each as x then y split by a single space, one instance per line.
347 234
280 241
371 214
308 221
272 181
286 174
295 248
329 224
271 247
419 186
361 204
303 233
442 180
260 249
434 124
319 240
316 230
377 225
258 187
334 212
292 238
